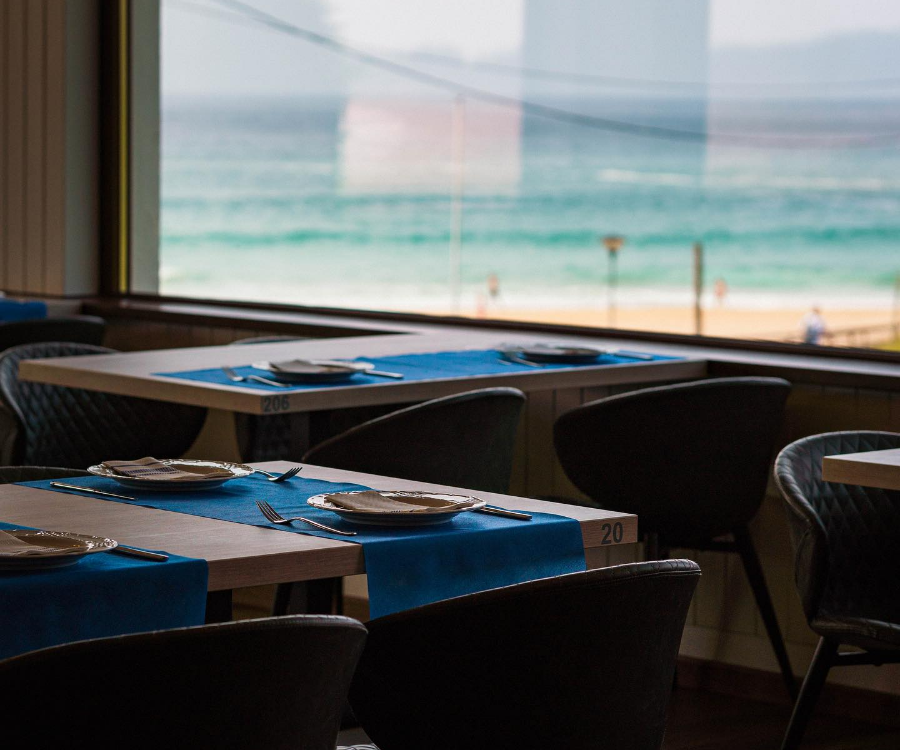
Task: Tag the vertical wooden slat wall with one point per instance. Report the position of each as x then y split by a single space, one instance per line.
14 104
34 127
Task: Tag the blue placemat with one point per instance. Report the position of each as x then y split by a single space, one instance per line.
406 567
12 310
413 367
102 595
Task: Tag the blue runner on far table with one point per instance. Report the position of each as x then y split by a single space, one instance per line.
407 567
458 364
102 595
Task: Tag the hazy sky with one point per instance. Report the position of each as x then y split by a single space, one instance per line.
204 54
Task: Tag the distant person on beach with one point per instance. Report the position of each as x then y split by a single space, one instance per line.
493 283
720 291
813 326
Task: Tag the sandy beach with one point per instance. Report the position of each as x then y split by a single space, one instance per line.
770 324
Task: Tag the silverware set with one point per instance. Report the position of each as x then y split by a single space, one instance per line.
292 472
273 516
346 366
235 378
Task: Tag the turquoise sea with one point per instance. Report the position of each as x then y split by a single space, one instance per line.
350 203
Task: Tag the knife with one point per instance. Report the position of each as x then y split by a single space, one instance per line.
505 513
65 486
134 552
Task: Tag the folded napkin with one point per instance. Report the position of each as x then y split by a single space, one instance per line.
372 500
155 470
12 545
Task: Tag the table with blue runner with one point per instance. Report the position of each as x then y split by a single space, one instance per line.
434 366
12 310
406 567
103 594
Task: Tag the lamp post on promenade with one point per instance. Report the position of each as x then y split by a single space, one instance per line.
613 243
698 288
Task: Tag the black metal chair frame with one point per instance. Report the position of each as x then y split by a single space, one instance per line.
579 660
811 547
326 595
634 414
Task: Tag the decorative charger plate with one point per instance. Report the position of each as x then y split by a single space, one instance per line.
63 548
312 371
237 471
445 508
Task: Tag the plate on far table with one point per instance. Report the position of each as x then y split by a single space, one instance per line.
236 471
312 371
564 354
443 508
63 548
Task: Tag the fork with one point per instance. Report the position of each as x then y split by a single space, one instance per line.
292 472
273 516
513 357
235 378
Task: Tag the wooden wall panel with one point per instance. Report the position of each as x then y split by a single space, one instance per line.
14 183
4 116
54 270
48 155
35 151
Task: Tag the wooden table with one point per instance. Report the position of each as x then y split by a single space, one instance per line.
131 374
868 469
241 555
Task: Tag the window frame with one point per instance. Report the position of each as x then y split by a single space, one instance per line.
130 242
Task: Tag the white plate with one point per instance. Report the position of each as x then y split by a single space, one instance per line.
68 549
456 504
312 371
567 354
237 471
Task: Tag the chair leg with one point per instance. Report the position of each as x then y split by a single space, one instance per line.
324 596
809 693
282 602
757 580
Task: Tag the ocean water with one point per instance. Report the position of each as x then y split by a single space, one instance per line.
351 203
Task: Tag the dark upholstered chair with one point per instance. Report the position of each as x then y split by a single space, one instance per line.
270 437
270 684
74 427
581 660
691 460
80 329
845 541
465 440
12 474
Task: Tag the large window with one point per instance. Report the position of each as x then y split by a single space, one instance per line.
713 166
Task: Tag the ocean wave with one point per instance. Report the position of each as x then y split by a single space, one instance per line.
773 182
835 239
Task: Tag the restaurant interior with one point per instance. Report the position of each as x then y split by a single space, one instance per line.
234 520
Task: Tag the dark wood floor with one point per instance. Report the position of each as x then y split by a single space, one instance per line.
709 721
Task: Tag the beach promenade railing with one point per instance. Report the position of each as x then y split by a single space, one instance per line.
871 335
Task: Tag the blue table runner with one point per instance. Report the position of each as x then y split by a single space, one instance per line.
407 567
102 595
12 310
457 364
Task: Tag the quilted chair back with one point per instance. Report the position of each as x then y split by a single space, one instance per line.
466 440
691 460
584 660
845 537
278 684
81 329
13 474
74 427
